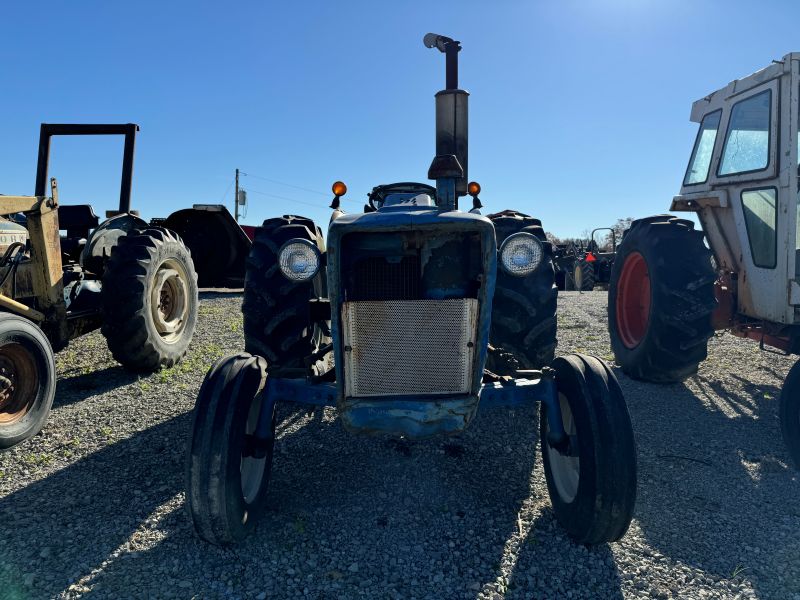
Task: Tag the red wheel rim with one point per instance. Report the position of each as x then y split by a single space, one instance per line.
633 300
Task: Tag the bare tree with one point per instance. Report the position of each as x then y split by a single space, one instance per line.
621 226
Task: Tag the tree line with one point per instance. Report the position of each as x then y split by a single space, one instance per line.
602 237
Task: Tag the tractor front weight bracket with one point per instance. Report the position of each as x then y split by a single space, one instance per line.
513 393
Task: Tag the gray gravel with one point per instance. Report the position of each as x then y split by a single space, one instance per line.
95 502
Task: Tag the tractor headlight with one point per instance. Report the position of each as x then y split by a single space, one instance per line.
299 260
520 254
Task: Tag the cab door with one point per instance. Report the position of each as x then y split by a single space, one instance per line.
747 165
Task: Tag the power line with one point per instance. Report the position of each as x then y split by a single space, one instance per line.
225 195
297 187
285 198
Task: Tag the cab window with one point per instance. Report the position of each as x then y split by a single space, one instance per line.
760 217
747 141
703 149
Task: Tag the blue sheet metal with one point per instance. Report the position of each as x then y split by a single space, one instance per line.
518 392
415 418
421 416
303 392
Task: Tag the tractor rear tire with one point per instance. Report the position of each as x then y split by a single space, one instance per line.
569 279
524 308
27 379
592 484
226 480
149 300
277 324
790 413
583 274
660 300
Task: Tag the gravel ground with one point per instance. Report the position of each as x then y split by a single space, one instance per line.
95 503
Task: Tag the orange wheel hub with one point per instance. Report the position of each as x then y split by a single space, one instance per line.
633 300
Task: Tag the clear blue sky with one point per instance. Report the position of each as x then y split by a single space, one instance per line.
578 110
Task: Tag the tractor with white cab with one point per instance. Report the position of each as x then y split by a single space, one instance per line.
673 285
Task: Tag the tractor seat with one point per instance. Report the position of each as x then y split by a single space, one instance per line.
77 220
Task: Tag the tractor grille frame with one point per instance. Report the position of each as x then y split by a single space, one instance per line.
409 347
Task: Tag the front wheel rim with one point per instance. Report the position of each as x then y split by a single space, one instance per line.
169 301
565 470
252 469
633 300
19 382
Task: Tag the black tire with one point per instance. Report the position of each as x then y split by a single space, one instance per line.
790 413
569 279
595 504
583 275
227 406
27 379
524 308
661 336
277 324
142 335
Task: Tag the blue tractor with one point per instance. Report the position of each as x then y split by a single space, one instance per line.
410 318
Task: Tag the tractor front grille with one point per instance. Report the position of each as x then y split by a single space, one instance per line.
375 278
409 347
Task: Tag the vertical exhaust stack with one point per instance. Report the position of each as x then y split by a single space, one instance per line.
451 126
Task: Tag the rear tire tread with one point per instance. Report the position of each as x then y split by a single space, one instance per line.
126 324
523 308
277 325
682 300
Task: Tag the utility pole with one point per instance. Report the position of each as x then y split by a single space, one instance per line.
236 199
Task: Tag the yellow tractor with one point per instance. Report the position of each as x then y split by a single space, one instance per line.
63 273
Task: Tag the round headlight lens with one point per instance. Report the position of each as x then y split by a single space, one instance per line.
520 254
299 260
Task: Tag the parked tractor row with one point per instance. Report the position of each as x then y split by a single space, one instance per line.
583 264
410 317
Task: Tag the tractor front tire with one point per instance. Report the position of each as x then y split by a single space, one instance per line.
660 300
523 308
149 300
592 483
226 476
583 275
27 379
277 324
790 413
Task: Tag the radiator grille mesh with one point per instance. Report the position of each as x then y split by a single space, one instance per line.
400 347
375 278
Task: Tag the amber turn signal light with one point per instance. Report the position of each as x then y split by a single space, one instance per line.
339 188
474 188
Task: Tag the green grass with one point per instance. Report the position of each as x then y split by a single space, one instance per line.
210 309
299 525
197 361
738 571
38 459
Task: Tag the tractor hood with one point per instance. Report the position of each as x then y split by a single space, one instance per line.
411 292
408 216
